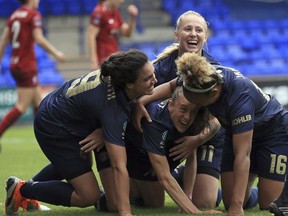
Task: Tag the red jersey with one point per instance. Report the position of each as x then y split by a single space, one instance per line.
109 21
21 25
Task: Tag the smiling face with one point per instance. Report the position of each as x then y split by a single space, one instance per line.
182 113
192 33
144 84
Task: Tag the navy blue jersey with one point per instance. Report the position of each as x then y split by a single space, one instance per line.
243 106
160 135
166 69
84 104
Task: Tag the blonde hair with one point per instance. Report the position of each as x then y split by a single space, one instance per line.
175 46
194 13
196 71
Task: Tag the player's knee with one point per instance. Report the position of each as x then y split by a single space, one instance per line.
88 200
208 201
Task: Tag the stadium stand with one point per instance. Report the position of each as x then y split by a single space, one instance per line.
249 35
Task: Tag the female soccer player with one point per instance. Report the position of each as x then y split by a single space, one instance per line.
191 34
102 98
255 124
149 164
23 29
106 24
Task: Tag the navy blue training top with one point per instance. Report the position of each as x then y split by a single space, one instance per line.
84 104
242 106
166 69
160 134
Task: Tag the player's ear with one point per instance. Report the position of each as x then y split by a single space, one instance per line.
170 104
214 91
176 36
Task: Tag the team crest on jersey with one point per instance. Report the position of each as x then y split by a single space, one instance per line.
164 138
124 129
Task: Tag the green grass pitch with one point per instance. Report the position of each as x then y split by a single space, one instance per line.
21 156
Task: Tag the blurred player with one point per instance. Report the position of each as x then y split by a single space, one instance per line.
106 24
24 28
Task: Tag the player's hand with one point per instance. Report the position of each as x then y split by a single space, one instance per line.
132 10
94 65
59 56
93 141
138 113
185 148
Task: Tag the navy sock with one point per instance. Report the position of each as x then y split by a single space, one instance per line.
253 199
47 173
219 197
285 191
178 173
53 192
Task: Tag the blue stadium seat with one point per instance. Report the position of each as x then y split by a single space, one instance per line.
88 6
283 23
55 7
74 7
9 80
7 7
254 24
50 77
236 53
5 66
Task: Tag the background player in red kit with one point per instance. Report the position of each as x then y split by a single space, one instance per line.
106 23
22 30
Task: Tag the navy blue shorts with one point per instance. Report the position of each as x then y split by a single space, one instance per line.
138 164
62 149
269 150
209 155
102 159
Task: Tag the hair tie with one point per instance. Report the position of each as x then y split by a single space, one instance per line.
197 90
110 90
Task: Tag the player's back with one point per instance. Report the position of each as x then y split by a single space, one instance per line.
21 25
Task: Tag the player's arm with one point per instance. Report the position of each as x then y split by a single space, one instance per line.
118 159
160 92
92 33
187 145
3 42
127 28
189 176
45 44
161 167
242 144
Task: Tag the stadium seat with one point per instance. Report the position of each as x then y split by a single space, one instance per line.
55 7
9 80
7 7
74 7
254 24
50 77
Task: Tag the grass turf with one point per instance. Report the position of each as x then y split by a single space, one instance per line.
21 156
